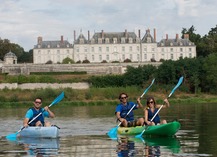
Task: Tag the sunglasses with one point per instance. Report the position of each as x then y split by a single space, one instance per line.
123 97
150 102
37 102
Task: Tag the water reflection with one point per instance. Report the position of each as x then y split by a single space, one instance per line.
148 146
39 146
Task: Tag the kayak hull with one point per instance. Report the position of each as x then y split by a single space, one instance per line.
40 132
168 129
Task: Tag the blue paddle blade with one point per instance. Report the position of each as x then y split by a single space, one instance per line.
113 133
12 137
58 99
178 84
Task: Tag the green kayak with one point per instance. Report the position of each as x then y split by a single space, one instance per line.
168 129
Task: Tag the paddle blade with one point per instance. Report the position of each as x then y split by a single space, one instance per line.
178 84
12 137
58 99
147 88
113 132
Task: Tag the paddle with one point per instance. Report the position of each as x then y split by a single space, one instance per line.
178 84
14 135
113 132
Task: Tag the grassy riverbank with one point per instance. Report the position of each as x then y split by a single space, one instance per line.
97 96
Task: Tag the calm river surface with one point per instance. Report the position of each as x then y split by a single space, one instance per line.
83 133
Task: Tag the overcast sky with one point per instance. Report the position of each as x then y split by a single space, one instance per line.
22 21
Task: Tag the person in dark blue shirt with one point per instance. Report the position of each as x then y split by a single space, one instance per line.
124 111
150 111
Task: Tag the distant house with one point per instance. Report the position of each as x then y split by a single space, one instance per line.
10 58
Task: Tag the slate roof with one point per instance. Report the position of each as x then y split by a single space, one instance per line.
54 44
175 42
81 36
146 36
10 55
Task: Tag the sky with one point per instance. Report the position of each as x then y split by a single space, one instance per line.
23 21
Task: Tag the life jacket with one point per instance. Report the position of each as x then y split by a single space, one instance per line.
151 114
39 118
125 110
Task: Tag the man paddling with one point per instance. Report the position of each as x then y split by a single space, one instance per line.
34 111
124 111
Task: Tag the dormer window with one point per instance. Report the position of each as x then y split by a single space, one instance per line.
122 40
114 40
171 44
39 46
100 41
107 40
48 46
162 44
130 40
58 45
92 41
148 39
81 41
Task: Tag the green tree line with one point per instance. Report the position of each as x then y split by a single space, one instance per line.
200 75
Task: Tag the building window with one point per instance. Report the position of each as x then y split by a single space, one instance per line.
171 49
85 57
162 49
48 52
138 48
123 57
190 55
145 56
115 49
153 56
171 56
100 49
131 57
181 55
58 52
131 49
85 49
162 55
181 49
123 48
145 49
152 49
39 52
138 57
107 49
107 57
92 57
92 49
189 49
77 49
67 51
100 57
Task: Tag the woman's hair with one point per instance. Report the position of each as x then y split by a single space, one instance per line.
121 95
148 100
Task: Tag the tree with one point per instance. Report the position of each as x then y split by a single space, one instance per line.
67 60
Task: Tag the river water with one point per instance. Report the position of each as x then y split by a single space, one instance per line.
83 133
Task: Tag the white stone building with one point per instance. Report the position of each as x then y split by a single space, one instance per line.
10 58
52 51
114 47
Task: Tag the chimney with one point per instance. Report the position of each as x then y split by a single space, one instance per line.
177 37
186 36
102 34
166 36
88 35
125 33
39 40
139 33
61 39
148 31
154 35
74 35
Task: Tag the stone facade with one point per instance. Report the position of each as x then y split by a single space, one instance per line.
114 47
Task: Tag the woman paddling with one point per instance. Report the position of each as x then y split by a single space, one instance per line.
151 110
